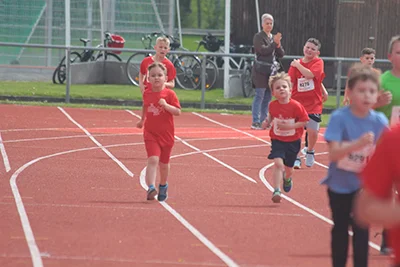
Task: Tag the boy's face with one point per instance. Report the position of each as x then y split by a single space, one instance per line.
310 50
394 56
368 59
281 90
161 48
364 94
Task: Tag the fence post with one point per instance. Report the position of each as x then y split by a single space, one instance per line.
68 74
203 81
338 82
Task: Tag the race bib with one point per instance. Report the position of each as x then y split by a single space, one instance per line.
280 132
305 85
356 160
395 118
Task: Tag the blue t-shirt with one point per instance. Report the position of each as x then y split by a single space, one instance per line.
344 126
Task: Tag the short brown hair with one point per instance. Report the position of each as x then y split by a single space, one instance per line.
315 42
279 76
368 51
361 72
157 64
392 41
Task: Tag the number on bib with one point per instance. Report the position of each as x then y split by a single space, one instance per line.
395 118
280 132
305 85
356 160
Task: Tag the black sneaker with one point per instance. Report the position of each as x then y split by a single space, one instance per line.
256 126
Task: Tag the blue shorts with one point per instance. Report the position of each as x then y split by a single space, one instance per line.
285 150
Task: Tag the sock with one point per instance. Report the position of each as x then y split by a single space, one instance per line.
164 185
151 186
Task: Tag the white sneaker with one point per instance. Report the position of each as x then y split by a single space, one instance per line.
310 158
304 151
297 164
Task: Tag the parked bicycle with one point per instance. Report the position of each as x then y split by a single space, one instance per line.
188 67
213 44
110 40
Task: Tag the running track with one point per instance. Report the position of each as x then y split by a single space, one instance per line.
72 194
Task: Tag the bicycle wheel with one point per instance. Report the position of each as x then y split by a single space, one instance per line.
61 69
132 67
247 81
188 72
212 74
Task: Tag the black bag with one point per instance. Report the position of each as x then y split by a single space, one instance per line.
263 67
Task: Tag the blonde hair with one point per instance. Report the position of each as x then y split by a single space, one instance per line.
163 39
279 76
392 41
159 65
361 72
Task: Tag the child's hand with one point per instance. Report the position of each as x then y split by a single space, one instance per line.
265 124
384 98
295 63
284 126
367 139
139 124
162 102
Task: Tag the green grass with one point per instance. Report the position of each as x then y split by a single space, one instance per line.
125 92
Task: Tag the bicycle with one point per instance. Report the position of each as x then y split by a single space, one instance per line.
188 67
213 44
110 40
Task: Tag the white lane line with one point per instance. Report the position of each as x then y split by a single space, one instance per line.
313 212
207 155
97 143
4 154
373 245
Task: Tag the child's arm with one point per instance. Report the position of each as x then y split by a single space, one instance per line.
284 126
139 124
304 71
324 93
339 150
170 84
171 109
141 82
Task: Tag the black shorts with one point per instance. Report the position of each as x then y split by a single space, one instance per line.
285 150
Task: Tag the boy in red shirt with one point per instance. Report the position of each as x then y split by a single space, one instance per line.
162 48
159 107
375 202
307 75
288 118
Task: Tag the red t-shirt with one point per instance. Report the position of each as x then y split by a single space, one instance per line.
382 173
159 123
287 113
147 61
308 91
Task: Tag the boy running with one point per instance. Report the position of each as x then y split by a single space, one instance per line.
307 75
351 135
162 47
159 107
288 118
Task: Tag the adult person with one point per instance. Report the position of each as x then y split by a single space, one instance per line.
268 49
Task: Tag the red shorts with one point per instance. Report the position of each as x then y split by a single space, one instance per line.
153 148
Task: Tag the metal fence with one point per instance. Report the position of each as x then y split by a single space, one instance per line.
338 70
43 22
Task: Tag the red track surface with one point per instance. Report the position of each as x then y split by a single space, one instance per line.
86 210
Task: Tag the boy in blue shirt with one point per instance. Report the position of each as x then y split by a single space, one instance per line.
351 135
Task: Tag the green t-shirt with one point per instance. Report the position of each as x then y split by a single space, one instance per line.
391 83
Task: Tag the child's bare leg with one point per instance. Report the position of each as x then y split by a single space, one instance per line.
151 170
312 138
278 173
164 173
288 172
